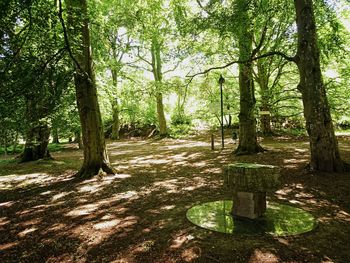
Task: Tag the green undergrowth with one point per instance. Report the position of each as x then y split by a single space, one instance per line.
55 147
179 130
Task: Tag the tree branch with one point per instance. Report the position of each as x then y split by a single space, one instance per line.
262 39
60 51
138 67
142 58
66 39
272 53
29 26
174 68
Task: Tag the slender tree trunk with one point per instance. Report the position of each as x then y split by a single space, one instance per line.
263 81
95 153
55 138
5 147
161 117
115 105
248 143
158 77
15 142
78 140
323 143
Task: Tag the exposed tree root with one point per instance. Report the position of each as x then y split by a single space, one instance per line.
247 151
87 172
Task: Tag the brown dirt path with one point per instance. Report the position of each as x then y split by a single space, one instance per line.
138 215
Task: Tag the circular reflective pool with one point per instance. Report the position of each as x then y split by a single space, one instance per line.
278 220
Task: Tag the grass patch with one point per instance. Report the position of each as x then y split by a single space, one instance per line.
7 161
55 147
19 149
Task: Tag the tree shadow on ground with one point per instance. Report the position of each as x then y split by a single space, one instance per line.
138 215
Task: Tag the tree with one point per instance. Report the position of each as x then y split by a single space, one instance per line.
155 33
95 153
31 52
248 143
323 143
111 42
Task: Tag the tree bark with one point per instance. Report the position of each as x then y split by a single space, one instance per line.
95 153
323 143
263 81
78 140
5 147
115 105
38 132
55 138
248 143
158 77
15 142
36 144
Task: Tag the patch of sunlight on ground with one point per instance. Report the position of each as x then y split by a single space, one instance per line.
83 210
24 180
60 195
129 195
8 245
146 160
120 144
95 234
27 231
343 215
56 227
190 254
294 161
263 256
106 224
170 185
123 152
4 221
7 204
186 144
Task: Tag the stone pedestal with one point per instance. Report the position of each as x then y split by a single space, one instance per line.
249 184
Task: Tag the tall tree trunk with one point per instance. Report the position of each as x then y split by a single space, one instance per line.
323 143
248 143
158 77
115 106
95 153
161 117
263 81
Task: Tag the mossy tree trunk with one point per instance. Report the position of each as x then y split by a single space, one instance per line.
95 153
248 143
158 77
323 143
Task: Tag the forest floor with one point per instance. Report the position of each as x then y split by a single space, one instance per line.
138 215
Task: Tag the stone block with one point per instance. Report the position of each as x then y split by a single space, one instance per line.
249 205
247 177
